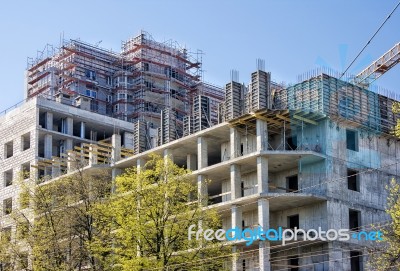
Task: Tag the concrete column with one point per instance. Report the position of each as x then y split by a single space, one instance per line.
48 146
262 174
264 256
55 171
140 164
236 180
202 189
168 153
202 153
116 148
235 257
68 145
71 162
191 161
93 155
236 216
83 129
114 173
48 121
263 213
264 246
262 135
234 143
69 122
336 257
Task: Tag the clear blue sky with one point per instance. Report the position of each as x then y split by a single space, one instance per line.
292 36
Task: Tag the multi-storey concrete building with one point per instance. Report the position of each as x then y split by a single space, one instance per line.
315 154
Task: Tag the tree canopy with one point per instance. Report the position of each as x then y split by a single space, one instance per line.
146 220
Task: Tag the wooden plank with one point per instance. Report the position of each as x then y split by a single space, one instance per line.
305 120
258 116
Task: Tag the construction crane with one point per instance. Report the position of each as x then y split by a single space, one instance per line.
379 67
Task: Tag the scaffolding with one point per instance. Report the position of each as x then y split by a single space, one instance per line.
147 78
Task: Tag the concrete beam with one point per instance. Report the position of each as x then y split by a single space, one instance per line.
202 153
262 174
236 180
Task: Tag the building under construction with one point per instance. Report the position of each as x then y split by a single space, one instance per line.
318 153
153 84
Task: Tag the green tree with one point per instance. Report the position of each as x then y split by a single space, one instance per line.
387 255
54 223
147 221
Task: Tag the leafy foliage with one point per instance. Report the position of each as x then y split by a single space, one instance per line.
148 220
387 257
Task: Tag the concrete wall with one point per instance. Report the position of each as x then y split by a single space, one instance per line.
14 125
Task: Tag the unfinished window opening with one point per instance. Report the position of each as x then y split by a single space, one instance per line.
42 120
293 221
7 206
294 263
291 143
352 140
292 184
9 149
90 74
8 178
26 170
41 173
6 235
355 261
353 182
354 219
63 126
242 188
214 158
26 141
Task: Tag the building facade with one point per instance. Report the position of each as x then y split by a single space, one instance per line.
317 154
